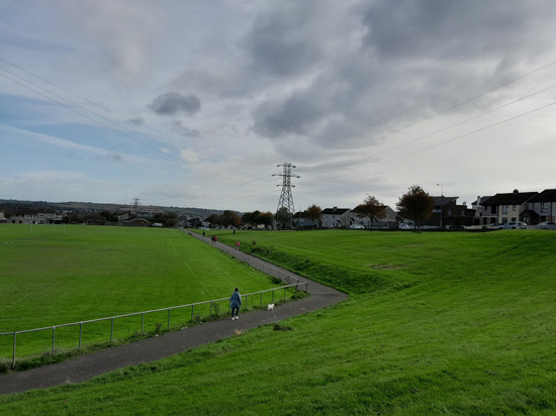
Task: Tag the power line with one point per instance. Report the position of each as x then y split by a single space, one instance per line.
449 140
460 104
444 129
226 178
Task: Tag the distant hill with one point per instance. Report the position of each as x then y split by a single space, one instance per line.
13 204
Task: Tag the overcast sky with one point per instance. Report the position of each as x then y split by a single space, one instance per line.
194 104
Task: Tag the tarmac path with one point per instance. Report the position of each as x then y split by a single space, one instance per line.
84 368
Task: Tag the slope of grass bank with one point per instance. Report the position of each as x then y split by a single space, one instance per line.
459 324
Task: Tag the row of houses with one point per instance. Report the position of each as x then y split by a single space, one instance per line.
33 217
45 216
529 207
344 218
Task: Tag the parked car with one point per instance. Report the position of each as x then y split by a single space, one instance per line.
356 227
514 225
495 225
406 225
546 225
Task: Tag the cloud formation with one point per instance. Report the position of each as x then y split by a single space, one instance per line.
173 103
179 128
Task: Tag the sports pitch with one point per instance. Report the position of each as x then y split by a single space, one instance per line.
56 274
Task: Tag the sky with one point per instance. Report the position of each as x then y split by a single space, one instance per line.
195 104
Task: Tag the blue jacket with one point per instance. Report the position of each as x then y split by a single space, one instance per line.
235 300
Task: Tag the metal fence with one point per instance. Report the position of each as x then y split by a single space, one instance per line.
245 299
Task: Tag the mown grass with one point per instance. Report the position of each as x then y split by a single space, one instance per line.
435 324
59 275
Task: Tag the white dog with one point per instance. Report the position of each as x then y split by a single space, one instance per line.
270 307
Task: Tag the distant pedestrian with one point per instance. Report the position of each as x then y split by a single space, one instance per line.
213 239
203 233
235 303
234 230
238 244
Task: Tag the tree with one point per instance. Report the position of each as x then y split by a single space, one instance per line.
416 204
230 218
251 218
314 213
282 218
265 218
372 209
214 219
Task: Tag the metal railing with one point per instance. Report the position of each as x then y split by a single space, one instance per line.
245 299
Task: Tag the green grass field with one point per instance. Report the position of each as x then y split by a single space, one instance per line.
51 278
436 323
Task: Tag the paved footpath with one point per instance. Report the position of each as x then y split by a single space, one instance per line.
89 366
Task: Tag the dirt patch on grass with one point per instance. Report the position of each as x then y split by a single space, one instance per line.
387 266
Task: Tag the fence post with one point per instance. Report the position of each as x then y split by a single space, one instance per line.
142 323
272 296
192 307
112 331
246 306
284 293
169 314
80 333
210 312
13 356
261 305
53 338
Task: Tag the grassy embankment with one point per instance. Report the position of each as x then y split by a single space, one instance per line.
51 278
443 323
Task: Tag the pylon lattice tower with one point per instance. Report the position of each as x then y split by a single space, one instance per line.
286 198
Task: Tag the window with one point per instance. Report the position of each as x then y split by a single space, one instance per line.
514 208
505 209
544 207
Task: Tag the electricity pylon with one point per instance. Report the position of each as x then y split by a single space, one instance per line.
286 198
136 205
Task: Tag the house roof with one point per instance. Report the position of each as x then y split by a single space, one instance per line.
334 211
548 195
444 200
482 200
514 198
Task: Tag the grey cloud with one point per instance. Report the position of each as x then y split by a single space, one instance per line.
178 127
281 40
414 58
292 115
451 29
173 102
137 120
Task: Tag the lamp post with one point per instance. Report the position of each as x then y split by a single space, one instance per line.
441 205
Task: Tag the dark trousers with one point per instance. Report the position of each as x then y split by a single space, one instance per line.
236 310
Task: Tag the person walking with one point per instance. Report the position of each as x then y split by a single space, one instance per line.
235 303
238 244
